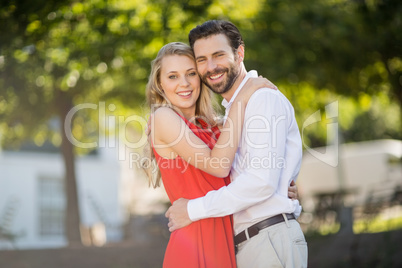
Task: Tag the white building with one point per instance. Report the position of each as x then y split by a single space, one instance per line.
32 201
363 171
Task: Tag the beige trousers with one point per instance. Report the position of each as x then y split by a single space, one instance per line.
280 245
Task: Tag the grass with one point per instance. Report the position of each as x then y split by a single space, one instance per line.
377 224
374 225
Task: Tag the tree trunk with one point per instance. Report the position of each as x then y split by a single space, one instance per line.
72 216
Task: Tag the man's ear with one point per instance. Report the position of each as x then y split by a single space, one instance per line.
240 53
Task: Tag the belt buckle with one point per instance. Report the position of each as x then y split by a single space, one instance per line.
252 231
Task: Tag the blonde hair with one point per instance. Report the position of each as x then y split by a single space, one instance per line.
156 98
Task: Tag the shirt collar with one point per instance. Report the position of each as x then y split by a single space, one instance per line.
227 104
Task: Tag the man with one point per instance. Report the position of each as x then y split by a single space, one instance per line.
267 161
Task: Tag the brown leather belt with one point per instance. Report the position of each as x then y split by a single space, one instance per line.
254 229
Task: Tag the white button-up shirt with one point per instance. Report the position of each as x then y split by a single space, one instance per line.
267 160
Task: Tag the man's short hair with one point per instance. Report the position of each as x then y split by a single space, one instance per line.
214 27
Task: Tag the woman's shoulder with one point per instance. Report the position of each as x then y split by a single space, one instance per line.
166 125
163 114
166 119
163 110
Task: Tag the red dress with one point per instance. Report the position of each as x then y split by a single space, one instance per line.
204 243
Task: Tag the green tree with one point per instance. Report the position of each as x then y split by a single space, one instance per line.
58 57
350 48
57 54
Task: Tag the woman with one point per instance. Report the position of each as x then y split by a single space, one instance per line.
183 137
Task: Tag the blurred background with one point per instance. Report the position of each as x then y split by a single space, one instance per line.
73 114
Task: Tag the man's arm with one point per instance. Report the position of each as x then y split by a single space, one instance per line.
266 133
178 214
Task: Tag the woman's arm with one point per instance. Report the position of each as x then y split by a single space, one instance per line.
172 134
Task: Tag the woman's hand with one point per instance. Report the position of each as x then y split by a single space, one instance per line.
293 192
252 85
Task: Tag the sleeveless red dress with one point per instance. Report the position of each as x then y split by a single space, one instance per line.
205 243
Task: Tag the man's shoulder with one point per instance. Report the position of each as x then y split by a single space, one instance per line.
266 102
265 95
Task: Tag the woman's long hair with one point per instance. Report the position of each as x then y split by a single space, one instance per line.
156 98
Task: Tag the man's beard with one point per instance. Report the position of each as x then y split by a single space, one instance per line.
226 85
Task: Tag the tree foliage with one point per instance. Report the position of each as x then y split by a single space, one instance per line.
101 50
54 56
320 51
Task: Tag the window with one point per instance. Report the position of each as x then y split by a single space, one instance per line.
52 206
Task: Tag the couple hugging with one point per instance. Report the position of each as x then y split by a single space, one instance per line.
226 212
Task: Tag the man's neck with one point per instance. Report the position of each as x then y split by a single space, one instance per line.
229 94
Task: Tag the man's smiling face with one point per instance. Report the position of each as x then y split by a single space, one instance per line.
217 65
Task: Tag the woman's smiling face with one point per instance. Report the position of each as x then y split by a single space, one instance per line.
180 83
